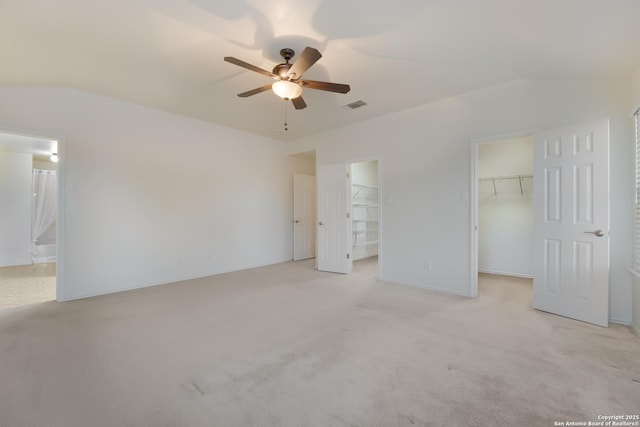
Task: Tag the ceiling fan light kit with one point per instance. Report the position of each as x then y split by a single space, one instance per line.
286 90
289 84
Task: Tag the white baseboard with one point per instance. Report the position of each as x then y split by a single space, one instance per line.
17 264
505 273
423 286
620 322
75 297
45 259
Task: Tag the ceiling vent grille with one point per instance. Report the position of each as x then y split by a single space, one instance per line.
355 104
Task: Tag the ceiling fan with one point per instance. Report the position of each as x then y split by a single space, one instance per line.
288 84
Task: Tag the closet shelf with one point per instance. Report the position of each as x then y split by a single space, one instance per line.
368 243
364 191
375 187
499 178
364 205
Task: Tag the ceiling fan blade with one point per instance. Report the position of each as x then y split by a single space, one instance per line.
331 87
248 66
307 58
254 91
299 103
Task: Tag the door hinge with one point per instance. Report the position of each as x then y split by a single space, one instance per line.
348 175
348 215
348 256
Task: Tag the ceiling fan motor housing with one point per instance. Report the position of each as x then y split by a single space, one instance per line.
282 70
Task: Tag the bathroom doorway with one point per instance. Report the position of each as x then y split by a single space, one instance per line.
29 209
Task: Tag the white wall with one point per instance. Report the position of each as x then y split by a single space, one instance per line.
505 213
15 208
635 104
304 165
45 165
425 172
151 197
365 173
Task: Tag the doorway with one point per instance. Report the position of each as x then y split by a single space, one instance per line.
502 209
349 215
505 207
304 205
365 209
570 249
30 208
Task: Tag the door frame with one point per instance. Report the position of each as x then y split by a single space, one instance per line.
61 197
473 199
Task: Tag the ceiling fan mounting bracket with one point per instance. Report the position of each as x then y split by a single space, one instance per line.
287 53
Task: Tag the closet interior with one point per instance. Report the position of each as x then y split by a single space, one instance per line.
364 192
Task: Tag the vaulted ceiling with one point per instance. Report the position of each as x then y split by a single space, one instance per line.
395 54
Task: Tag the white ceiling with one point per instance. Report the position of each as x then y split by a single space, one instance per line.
394 54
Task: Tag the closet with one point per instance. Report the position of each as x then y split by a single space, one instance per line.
505 207
364 192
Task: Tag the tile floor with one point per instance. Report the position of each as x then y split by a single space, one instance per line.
27 284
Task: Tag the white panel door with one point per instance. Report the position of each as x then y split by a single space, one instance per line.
571 238
304 216
334 219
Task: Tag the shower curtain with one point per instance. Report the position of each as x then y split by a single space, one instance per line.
43 211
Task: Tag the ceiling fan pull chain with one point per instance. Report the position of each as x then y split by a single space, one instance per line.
285 115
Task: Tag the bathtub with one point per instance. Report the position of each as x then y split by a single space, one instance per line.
44 253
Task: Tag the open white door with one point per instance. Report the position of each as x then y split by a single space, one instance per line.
571 238
304 216
334 219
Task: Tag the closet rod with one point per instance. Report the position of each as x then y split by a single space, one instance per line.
498 178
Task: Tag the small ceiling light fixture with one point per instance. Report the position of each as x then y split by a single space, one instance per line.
286 89
54 157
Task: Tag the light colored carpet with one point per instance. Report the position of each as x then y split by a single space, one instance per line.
27 284
286 345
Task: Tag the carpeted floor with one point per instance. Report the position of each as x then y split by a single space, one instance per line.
286 345
27 284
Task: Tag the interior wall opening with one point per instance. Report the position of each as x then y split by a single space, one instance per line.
349 217
365 210
304 205
28 220
505 211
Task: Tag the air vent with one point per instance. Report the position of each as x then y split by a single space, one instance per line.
355 104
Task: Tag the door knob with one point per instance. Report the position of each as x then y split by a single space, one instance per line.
296 221
598 233
321 223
